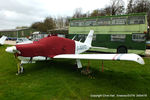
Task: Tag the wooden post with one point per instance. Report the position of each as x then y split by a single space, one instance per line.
88 65
102 66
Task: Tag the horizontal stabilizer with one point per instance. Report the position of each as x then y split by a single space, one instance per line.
128 57
98 47
74 37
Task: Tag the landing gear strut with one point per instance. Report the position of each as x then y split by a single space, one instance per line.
20 68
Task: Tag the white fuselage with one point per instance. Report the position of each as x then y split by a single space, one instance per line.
80 47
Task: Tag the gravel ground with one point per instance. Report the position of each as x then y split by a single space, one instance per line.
10 42
147 52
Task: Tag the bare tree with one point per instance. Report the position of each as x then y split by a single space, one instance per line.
107 11
130 6
67 20
59 22
62 22
101 12
117 7
142 5
138 6
78 13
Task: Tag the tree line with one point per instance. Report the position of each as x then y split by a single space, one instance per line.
115 7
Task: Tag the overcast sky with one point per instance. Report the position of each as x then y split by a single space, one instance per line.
15 13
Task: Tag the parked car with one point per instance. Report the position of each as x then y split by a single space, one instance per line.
23 41
148 44
11 38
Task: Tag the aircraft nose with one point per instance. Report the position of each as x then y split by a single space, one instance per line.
11 49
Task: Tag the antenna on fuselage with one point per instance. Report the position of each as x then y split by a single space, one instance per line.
80 40
74 37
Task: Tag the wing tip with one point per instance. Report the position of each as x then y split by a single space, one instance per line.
139 60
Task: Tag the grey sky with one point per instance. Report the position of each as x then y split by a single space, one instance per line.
15 13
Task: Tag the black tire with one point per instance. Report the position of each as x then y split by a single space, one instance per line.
122 49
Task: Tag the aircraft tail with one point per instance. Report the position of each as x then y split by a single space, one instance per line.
2 40
89 38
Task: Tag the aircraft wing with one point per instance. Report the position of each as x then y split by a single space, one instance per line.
2 40
128 57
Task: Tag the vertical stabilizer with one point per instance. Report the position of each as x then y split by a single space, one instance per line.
89 38
2 40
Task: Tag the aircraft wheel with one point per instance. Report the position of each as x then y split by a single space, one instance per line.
122 49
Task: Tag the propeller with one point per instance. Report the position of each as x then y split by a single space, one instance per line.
12 49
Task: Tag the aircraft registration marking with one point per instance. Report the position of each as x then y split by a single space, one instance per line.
82 47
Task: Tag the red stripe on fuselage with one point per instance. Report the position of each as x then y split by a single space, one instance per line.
48 47
114 57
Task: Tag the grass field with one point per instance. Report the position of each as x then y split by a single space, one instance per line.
60 80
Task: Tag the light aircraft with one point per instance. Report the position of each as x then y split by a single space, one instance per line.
57 47
2 40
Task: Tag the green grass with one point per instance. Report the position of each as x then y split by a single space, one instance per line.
60 80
